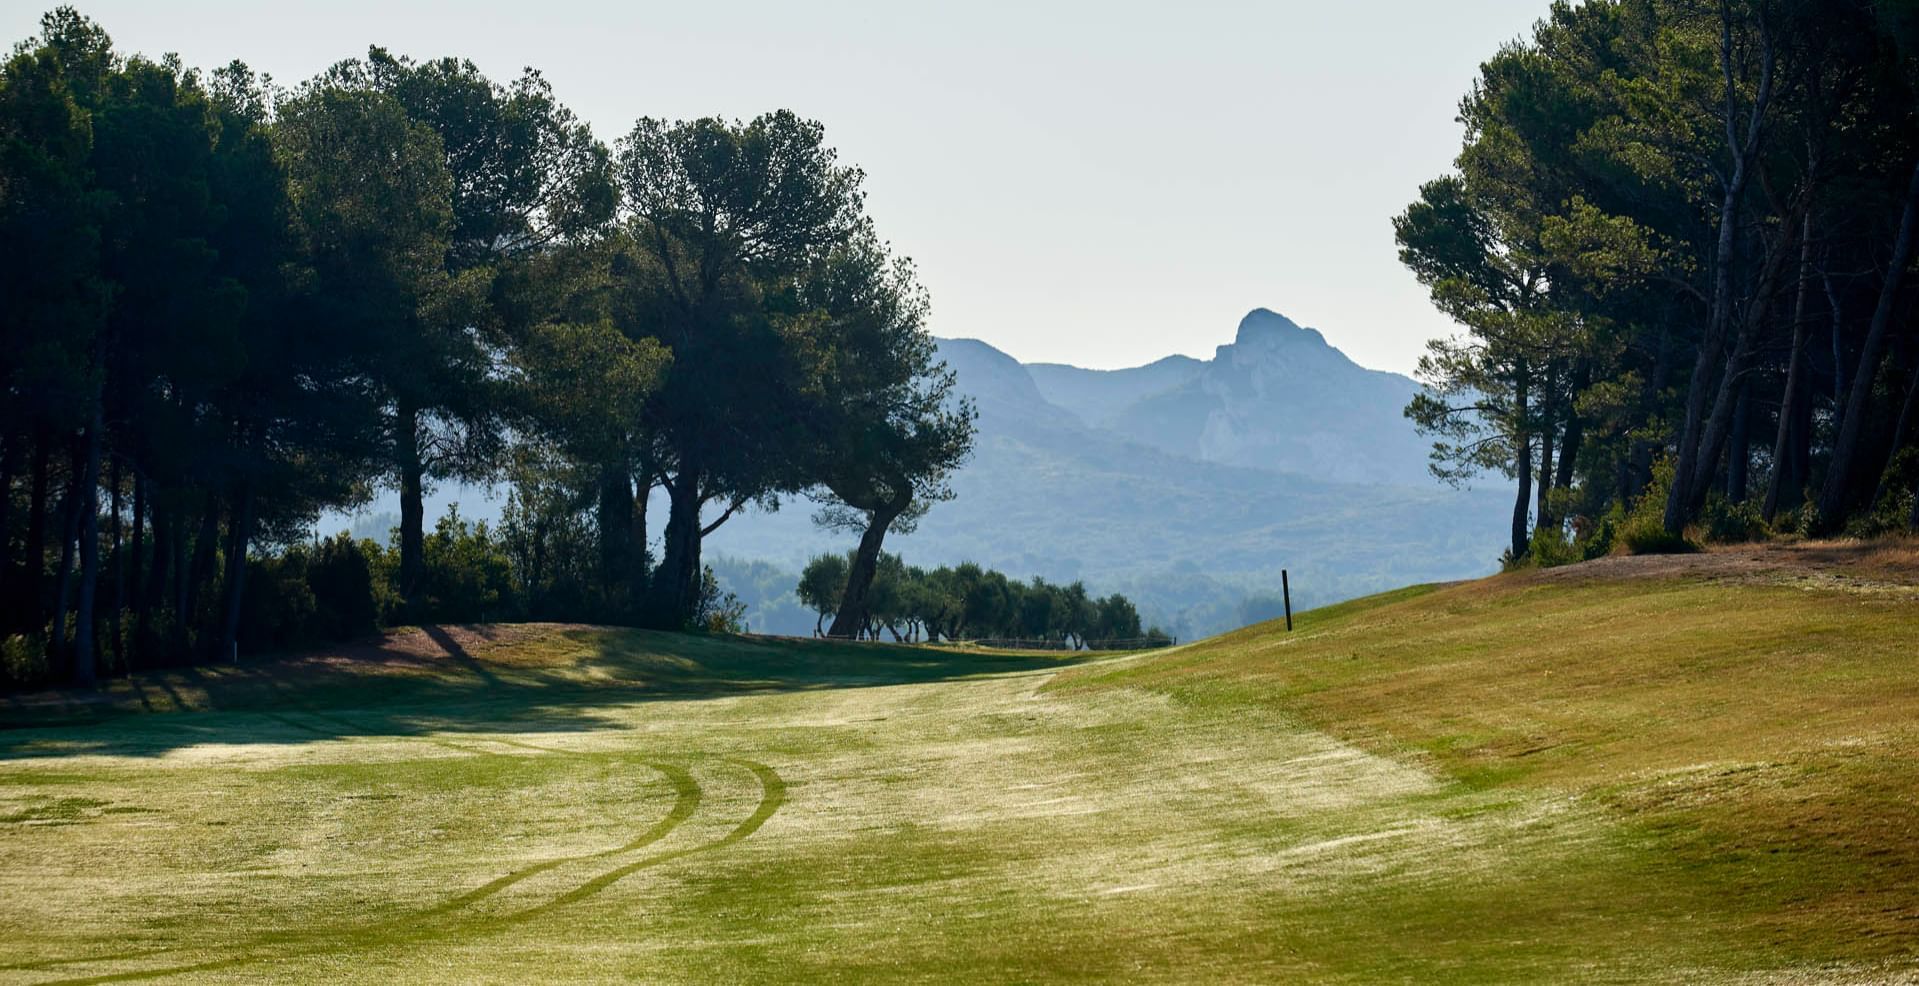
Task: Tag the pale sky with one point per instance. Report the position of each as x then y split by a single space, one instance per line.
1095 183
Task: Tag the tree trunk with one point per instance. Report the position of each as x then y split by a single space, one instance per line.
202 572
9 465
642 492
182 579
1543 512
675 588
1787 483
1717 429
1836 306
137 591
85 672
616 529
1699 390
164 533
1575 435
239 534
859 578
1681 500
1523 466
119 563
1739 451
536 573
1522 505
406 440
33 555
69 535
1838 492
1899 433
1640 459
1727 402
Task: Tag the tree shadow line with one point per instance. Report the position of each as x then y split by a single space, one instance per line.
429 681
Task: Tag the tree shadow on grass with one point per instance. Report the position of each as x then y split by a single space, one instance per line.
460 679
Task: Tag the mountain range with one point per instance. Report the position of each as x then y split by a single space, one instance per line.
1187 484
1277 398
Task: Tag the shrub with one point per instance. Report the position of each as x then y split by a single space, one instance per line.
1552 548
339 576
277 611
1643 532
168 643
1643 537
1892 512
553 544
306 595
1599 543
1889 516
1732 523
716 611
23 660
468 576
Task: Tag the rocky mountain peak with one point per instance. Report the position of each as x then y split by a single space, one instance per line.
1265 328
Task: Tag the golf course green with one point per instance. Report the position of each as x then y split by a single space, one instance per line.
1701 769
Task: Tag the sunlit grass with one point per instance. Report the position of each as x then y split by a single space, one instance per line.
1525 779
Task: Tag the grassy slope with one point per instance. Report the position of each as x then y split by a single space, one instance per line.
1685 774
1751 729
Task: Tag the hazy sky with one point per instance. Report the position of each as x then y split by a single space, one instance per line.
1096 183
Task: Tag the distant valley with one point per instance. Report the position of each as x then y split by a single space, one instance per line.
1187 484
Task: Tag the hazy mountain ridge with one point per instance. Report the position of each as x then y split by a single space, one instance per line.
1098 397
1191 517
1278 397
1160 505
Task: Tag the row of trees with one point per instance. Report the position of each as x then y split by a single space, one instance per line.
1679 238
966 601
339 588
229 307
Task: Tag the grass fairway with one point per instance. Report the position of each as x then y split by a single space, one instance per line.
1698 770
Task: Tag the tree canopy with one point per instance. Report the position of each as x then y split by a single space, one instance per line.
1678 238
232 306
967 602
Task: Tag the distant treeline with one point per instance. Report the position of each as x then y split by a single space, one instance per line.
1679 237
966 601
229 307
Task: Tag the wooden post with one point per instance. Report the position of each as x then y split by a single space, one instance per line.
1286 594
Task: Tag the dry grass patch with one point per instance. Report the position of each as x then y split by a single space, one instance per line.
1694 778
1748 708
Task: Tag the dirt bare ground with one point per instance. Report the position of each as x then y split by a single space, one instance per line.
406 650
1885 565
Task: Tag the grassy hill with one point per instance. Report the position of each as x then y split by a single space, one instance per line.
1698 769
